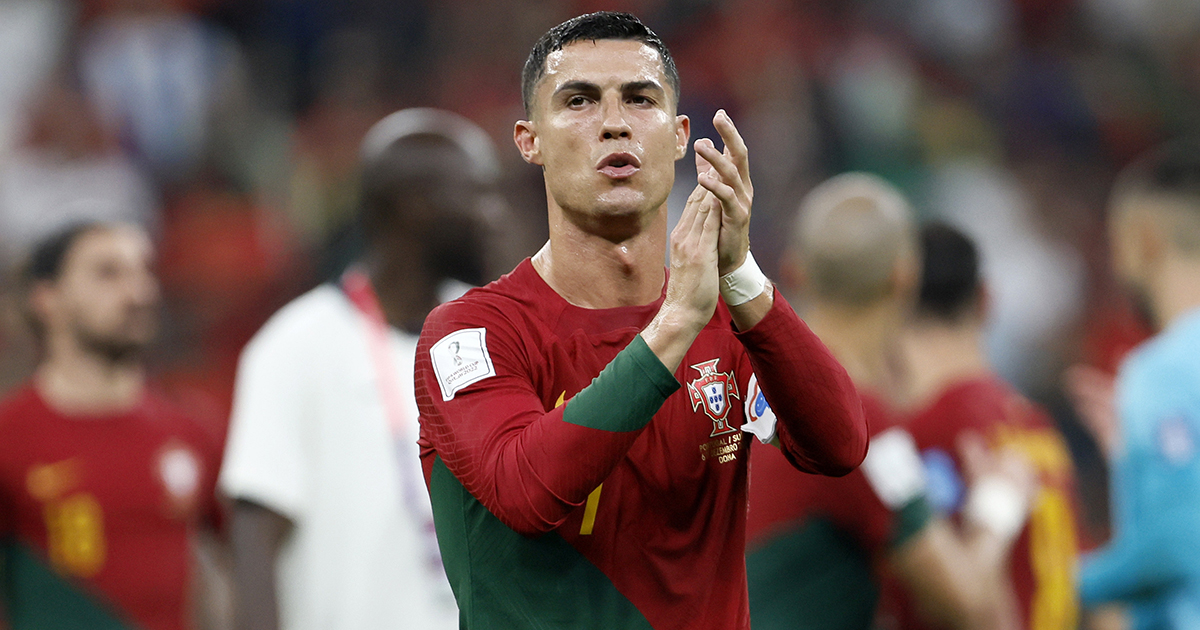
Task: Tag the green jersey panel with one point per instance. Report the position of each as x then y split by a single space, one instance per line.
37 598
503 579
812 578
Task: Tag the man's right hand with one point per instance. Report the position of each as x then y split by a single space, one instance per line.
692 289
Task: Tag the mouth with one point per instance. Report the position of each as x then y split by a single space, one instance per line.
619 166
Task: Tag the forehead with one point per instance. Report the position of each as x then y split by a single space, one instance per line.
603 62
106 244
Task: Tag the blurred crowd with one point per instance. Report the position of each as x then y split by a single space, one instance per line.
231 131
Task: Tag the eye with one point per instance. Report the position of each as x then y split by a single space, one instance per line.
578 100
641 99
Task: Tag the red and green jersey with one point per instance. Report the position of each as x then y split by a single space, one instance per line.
558 506
96 514
1043 558
815 544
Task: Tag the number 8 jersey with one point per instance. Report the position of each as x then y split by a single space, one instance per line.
96 514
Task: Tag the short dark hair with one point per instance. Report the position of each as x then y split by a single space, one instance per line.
48 255
592 27
1172 169
950 280
45 264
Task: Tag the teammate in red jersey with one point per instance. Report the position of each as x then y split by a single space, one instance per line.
958 393
102 483
582 417
818 547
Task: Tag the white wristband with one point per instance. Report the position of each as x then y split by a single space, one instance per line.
998 505
744 283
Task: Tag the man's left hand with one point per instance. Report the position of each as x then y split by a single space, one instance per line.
727 176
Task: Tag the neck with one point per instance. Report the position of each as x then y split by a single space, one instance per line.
76 382
1177 289
594 270
937 356
405 289
863 341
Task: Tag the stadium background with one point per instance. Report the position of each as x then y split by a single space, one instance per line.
231 128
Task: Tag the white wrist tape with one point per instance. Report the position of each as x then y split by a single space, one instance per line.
744 283
998 505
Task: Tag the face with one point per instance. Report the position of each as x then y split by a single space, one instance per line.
447 218
604 129
1133 236
106 296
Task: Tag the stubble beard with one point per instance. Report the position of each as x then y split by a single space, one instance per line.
114 348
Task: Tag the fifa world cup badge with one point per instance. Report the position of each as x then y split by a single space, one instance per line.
712 390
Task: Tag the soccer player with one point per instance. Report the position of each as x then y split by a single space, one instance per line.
957 393
103 484
582 417
817 546
1153 559
332 527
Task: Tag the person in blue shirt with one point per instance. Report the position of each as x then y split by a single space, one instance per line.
1152 563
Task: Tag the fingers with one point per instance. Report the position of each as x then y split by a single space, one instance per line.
734 145
976 459
720 162
690 209
726 194
702 165
712 223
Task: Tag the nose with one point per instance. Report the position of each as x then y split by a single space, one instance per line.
144 288
614 126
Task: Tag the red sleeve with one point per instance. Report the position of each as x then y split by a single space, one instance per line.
822 428
523 463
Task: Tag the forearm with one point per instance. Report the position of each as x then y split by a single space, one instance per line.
212 588
535 474
1122 571
955 582
256 533
821 425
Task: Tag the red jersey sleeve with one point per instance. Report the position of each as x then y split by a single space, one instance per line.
480 413
821 426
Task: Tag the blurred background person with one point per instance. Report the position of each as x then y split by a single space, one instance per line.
104 485
1152 562
817 545
955 393
332 527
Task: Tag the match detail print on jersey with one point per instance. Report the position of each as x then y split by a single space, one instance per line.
760 418
460 359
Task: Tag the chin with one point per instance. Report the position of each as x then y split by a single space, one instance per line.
624 202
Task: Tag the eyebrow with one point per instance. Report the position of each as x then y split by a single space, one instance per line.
642 86
588 86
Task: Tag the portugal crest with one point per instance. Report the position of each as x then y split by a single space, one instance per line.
712 390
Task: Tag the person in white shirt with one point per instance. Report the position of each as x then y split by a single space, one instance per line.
332 528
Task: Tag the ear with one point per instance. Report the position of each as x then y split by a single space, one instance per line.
983 302
683 132
41 300
1152 239
526 138
906 276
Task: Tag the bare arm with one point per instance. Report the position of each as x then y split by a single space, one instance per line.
959 576
256 534
212 582
958 582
